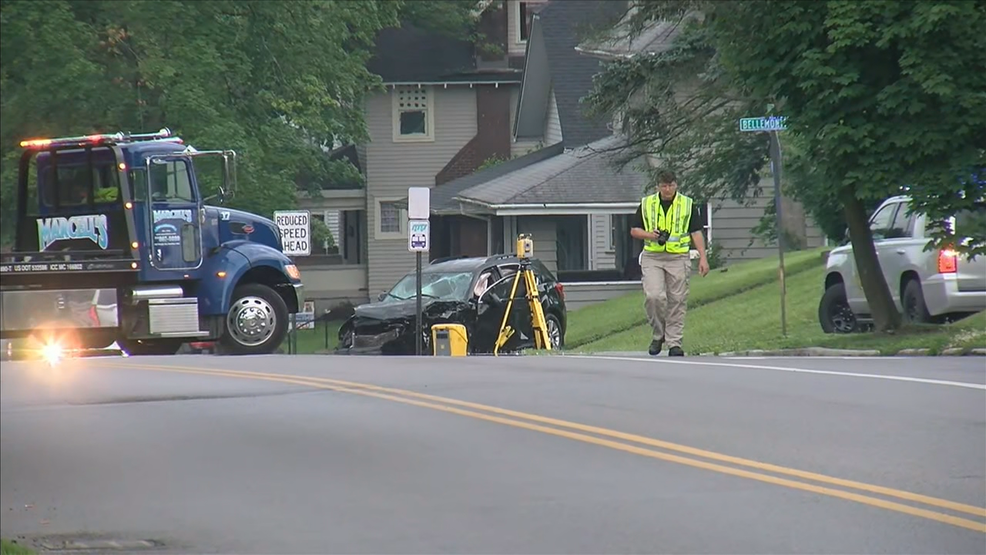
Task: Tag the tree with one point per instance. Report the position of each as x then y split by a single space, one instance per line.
278 82
879 95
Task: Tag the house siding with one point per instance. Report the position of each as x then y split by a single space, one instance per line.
523 146
552 124
733 222
544 235
392 167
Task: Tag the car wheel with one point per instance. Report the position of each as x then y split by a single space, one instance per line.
834 313
556 335
348 338
257 321
915 311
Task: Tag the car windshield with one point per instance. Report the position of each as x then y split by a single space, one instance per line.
434 285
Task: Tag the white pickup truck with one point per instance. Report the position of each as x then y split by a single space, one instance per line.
926 285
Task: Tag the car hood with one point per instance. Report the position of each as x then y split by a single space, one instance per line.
396 310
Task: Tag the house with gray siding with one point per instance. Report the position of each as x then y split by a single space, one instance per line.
446 109
502 140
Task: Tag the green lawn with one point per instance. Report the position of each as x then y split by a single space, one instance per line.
589 325
10 548
751 321
314 341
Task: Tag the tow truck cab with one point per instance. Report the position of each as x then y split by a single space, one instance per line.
120 220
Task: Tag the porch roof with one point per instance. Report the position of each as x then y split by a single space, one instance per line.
580 178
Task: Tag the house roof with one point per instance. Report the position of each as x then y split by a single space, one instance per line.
563 24
584 176
443 197
655 38
410 55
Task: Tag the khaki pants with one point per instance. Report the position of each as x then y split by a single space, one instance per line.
665 281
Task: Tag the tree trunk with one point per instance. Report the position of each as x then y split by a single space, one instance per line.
886 317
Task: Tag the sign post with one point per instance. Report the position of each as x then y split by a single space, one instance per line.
418 242
296 231
771 125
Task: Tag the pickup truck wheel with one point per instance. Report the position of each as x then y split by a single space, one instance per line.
149 347
257 321
915 311
834 313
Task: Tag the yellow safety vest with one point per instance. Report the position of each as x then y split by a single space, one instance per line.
676 222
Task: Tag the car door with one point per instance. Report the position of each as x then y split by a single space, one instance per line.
491 306
898 249
176 239
880 224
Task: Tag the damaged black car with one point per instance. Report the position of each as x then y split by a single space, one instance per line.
468 291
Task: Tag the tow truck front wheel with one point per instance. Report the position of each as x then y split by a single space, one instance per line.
257 321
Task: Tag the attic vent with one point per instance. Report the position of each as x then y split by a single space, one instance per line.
412 98
413 118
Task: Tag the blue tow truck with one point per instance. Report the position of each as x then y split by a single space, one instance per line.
115 243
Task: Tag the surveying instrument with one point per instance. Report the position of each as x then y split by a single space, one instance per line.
525 248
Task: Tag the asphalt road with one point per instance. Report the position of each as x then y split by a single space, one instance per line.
566 454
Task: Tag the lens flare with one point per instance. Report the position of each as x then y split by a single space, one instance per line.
52 353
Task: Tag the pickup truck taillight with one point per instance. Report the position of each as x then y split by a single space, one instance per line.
947 261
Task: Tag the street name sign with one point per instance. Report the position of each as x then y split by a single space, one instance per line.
762 124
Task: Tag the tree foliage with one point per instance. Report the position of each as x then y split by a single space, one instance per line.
880 96
279 82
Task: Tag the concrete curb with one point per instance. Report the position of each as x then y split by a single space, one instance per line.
814 352
823 351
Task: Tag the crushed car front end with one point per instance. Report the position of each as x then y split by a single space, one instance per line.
388 327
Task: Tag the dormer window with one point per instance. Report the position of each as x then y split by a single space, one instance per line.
523 22
523 12
414 118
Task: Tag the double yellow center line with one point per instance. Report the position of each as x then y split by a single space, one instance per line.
629 443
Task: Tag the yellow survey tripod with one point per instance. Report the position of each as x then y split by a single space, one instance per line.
525 248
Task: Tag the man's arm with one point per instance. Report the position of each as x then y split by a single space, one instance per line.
637 230
698 239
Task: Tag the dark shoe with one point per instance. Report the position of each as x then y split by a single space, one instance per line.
676 352
655 347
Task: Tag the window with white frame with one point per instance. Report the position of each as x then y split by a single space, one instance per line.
414 117
523 22
389 217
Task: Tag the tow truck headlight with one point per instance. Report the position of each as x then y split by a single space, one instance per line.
293 271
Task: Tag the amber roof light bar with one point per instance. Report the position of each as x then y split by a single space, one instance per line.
100 139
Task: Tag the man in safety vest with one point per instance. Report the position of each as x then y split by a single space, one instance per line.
668 223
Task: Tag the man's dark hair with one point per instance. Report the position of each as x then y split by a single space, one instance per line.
666 176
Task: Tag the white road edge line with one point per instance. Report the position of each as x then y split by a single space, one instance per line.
665 360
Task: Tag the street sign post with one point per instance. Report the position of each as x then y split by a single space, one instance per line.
418 242
771 125
296 231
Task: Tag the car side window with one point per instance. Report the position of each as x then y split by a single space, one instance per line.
903 224
502 288
486 279
880 223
